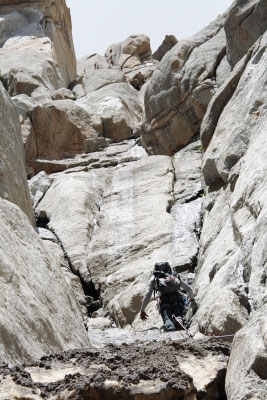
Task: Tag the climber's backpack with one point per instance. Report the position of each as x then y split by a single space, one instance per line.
165 281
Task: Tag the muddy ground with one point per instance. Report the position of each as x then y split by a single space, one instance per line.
169 369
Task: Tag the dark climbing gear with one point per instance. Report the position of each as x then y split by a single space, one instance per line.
166 282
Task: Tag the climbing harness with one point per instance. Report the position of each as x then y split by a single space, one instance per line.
158 303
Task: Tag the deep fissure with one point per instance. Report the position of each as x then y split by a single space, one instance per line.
91 293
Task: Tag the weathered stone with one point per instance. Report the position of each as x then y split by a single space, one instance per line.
220 158
232 259
78 90
93 61
38 186
110 156
99 323
167 44
246 376
139 75
135 50
13 181
223 71
72 280
179 90
41 19
94 80
77 200
24 105
62 94
63 128
46 234
106 246
50 319
112 103
245 23
220 100
27 63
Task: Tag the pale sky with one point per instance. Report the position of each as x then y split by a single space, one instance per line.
96 24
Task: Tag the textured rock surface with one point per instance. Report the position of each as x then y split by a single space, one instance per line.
248 368
93 61
63 129
180 89
120 223
168 43
135 50
39 313
231 274
27 63
38 186
134 58
245 23
40 19
108 211
13 181
112 103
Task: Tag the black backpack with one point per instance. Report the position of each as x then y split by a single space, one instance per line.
166 282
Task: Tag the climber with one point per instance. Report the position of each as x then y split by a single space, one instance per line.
171 302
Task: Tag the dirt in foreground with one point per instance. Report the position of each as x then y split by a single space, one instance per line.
136 371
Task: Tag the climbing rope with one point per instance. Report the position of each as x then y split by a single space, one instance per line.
178 320
182 325
220 336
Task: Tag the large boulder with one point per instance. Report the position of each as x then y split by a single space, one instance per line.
167 44
39 313
63 128
111 101
245 23
134 58
247 370
27 64
178 93
135 50
41 19
13 180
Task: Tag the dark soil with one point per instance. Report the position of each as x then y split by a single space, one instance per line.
127 364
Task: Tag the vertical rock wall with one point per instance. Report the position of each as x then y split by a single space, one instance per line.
180 89
13 181
231 273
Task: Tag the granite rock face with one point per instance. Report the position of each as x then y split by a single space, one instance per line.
231 272
36 20
13 181
115 222
18 55
134 58
134 51
245 23
248 368
39 312
178 93
112 104
110 204
167 44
